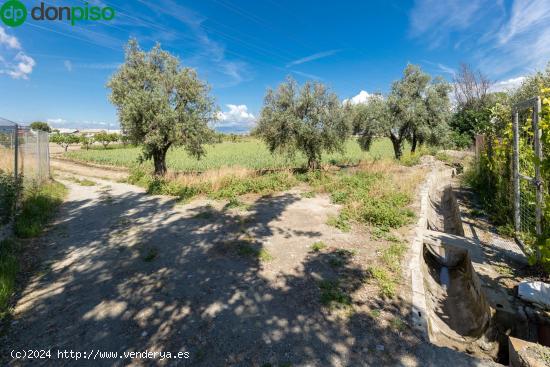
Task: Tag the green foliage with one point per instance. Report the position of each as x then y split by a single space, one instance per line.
340 221
459 140
161 104
416 110
308 119
332 294
229 187
9 266
105 138
40 126
9 194
86 141
367 197
249 153
64 140
318 246
37 207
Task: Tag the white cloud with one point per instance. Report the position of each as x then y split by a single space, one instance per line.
56 121
317 56
9 41
361 98
20 65
237 115
502 38
68 65
506 85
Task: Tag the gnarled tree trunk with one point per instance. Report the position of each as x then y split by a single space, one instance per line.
397 146
159 160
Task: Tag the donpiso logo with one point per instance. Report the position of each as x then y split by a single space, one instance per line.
14 13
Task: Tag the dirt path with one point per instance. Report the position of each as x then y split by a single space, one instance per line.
123 271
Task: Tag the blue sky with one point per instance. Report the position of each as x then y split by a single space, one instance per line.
50 70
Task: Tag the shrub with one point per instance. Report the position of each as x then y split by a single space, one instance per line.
38 205
9 192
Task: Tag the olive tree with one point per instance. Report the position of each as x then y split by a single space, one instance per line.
64 140
105 138
416 110
431 124
161 104
40 126
309 119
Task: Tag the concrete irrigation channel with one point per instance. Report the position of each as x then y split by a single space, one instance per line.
458 299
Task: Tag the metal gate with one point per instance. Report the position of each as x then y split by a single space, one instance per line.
527 156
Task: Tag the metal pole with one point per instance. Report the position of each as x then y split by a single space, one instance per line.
16 153
538 178
515 173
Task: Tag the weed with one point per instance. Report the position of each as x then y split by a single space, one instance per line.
375 313
264 255
340 221
506 230
151 254
235 203
37 207
207 214
444 157
392 255
308 194
332 296
318 246
397 324
384 280
247 250
84 182
477 213
8 271
335 262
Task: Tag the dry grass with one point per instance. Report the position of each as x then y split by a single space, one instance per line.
6 159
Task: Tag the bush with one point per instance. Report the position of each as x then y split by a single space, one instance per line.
9 191
460 140
38 205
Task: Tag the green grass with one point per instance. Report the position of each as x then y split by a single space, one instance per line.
367 197
248 250
318 246
332 295
388 274
8 270
151 254
250 153
37 207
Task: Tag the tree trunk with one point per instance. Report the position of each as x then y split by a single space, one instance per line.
159 159
312 164
414 143
397 147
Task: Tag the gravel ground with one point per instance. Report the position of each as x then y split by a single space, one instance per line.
122 271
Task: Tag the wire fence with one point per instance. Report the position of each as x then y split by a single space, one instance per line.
527 155
24 152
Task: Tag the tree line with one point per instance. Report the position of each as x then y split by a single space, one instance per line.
161 104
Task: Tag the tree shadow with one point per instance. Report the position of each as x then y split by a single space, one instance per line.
130 273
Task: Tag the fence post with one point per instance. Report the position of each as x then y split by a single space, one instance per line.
16 151
515 173
538 178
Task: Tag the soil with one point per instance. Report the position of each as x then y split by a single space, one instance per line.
122 271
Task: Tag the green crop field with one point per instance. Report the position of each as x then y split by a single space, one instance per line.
250 153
